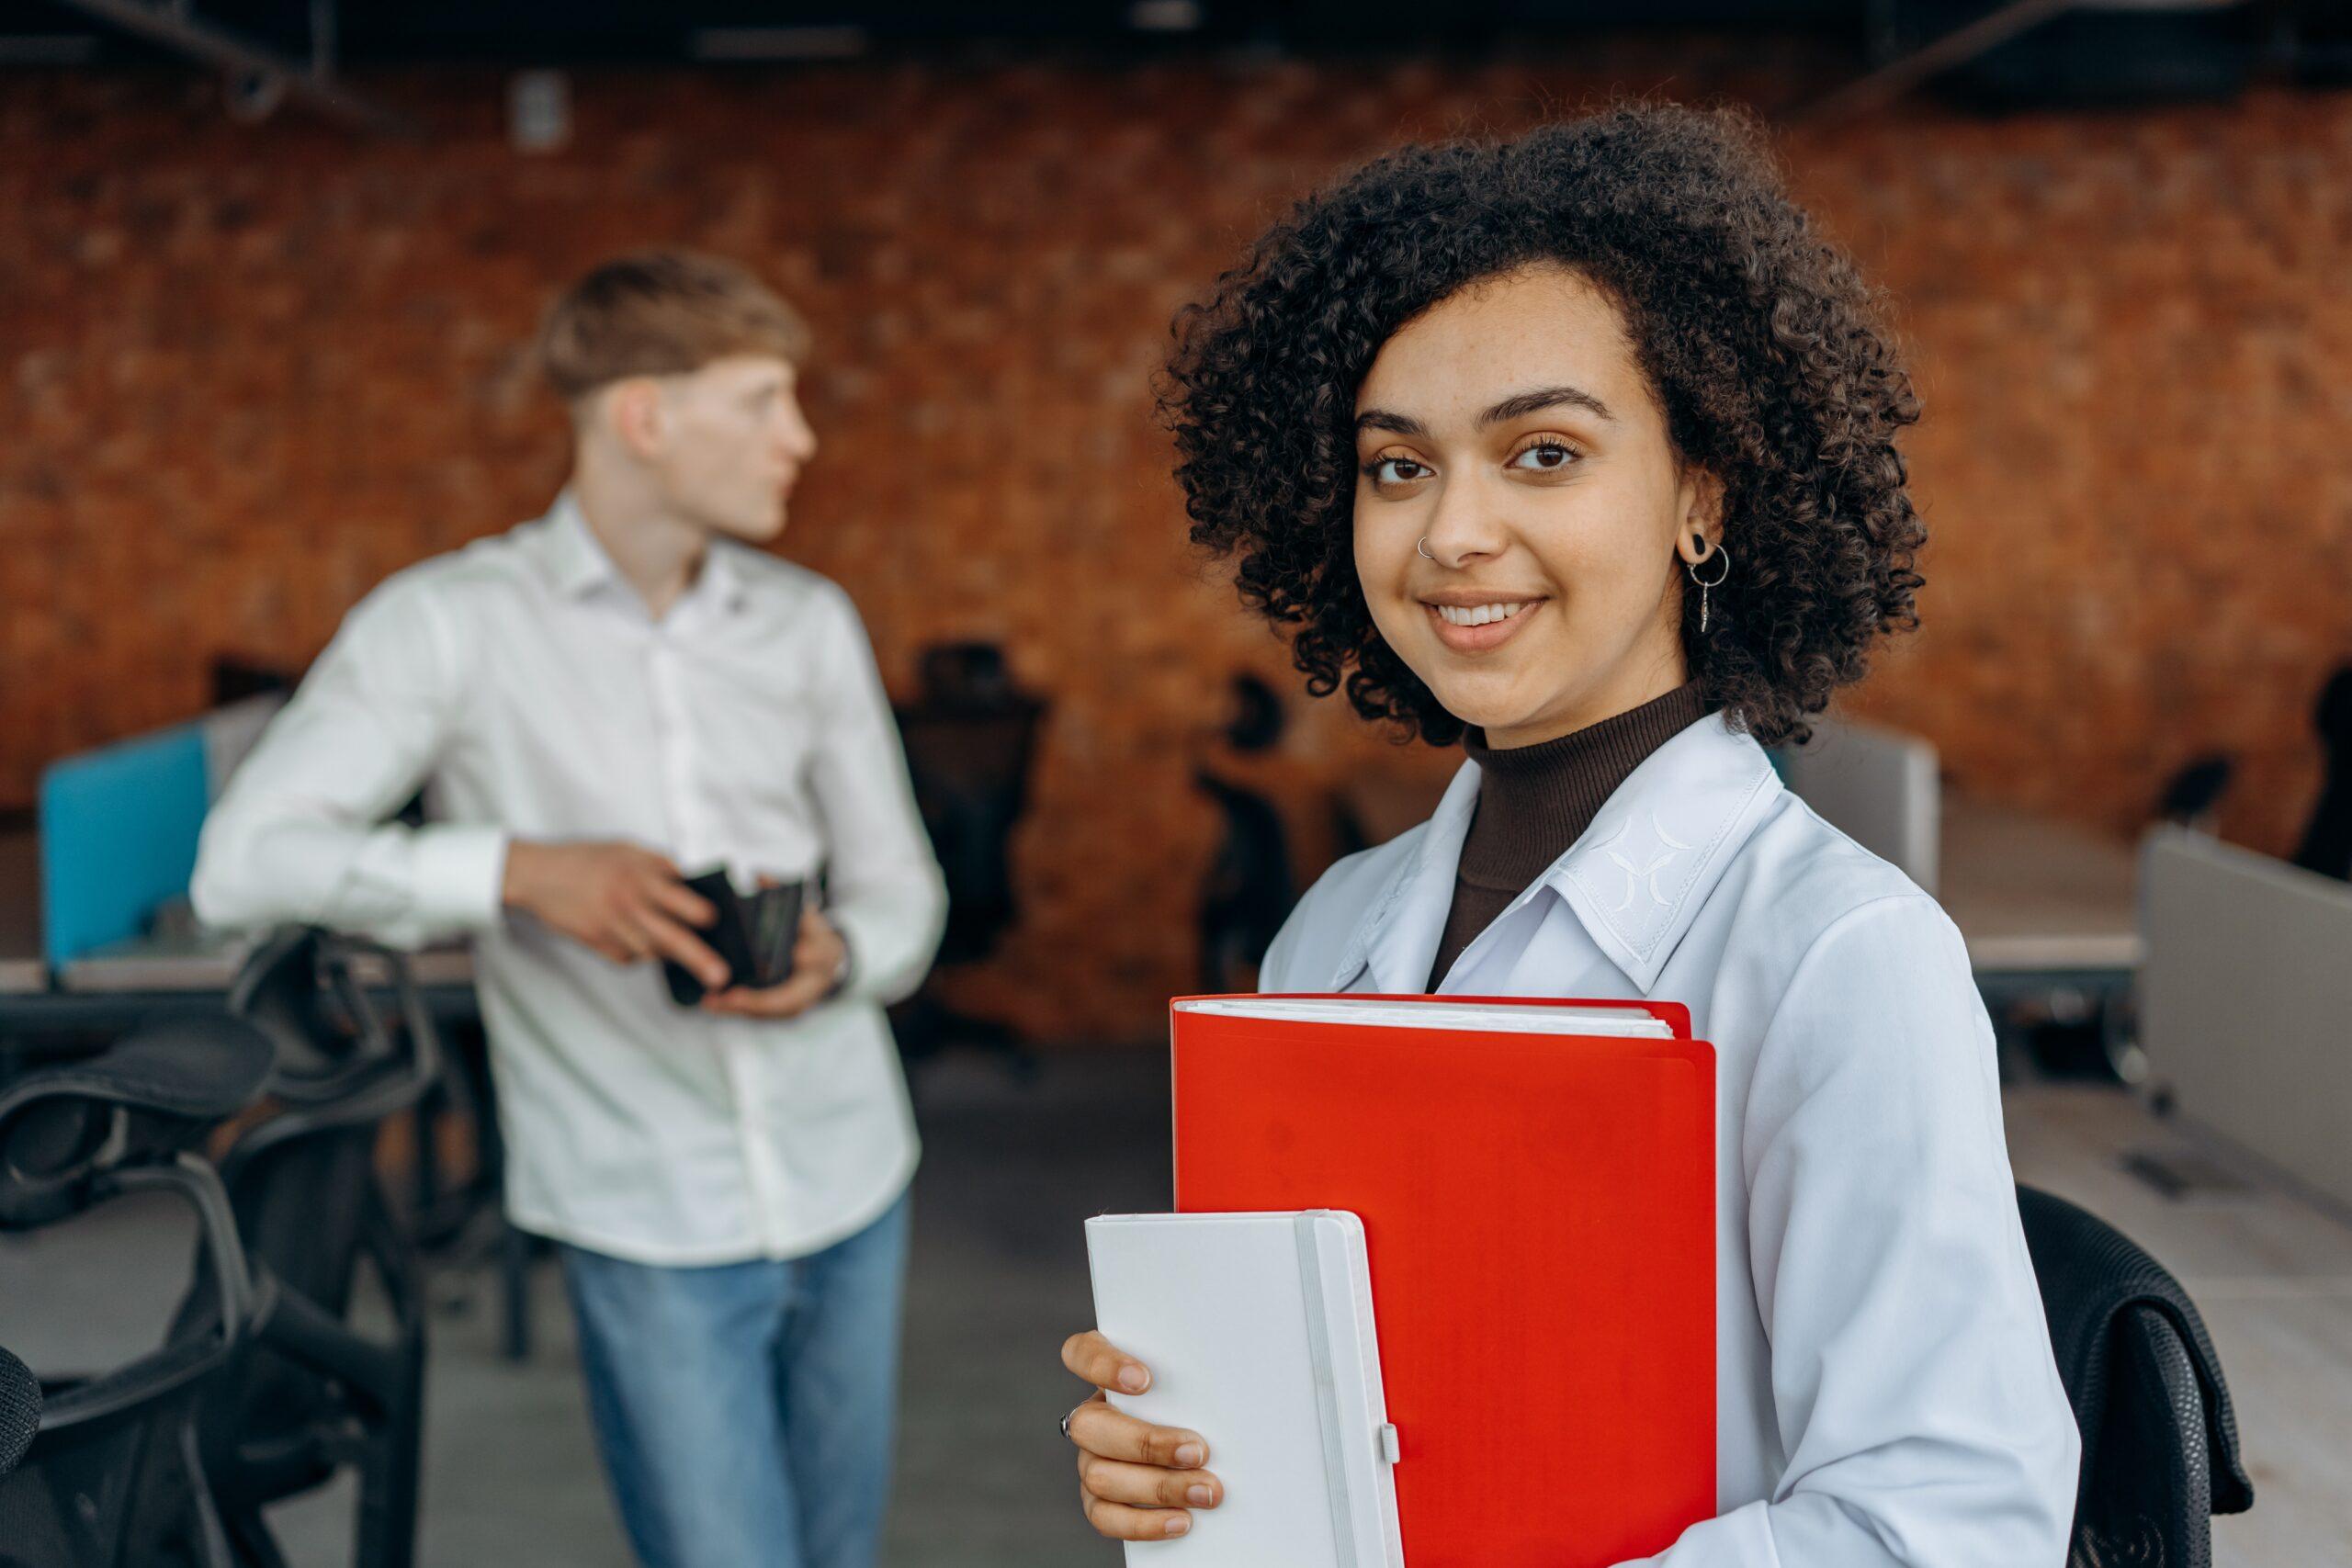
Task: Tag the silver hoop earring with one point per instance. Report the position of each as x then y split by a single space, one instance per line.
1424 547
1723 550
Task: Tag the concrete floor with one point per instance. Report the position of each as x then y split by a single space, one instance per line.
999 1278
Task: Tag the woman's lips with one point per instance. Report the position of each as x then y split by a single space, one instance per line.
1482 638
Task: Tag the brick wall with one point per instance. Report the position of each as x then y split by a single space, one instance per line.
247 372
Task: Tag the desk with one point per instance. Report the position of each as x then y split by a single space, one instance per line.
2036 896
117 987
208 961
114 986
2048 910
21 968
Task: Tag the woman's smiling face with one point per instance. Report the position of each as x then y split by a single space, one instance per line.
1510 428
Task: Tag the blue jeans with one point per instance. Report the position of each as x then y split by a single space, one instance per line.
745 1412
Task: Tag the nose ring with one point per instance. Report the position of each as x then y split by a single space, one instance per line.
1424 547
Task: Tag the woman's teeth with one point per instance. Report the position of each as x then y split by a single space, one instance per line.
1479 614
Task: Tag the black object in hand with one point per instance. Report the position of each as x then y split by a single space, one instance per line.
753 936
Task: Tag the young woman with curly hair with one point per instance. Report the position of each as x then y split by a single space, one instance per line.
1580 448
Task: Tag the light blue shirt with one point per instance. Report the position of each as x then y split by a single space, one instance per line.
1887 1393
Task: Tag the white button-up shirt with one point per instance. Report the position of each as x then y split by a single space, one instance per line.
1886 1390
523 685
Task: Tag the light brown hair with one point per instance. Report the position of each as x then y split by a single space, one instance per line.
662 313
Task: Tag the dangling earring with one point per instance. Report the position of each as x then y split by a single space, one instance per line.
1723 550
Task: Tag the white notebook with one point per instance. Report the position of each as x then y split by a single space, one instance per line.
1258 1330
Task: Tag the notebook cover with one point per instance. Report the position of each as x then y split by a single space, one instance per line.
1540 1216
1258 1327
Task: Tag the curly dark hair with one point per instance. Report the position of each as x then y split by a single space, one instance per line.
1760 342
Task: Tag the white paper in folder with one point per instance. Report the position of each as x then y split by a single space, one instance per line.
1258 1332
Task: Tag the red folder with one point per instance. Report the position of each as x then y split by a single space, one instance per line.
1539 1210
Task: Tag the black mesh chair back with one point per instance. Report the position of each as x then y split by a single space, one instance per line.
19 1409
311 1392
2160 1445
2326 845
1248 893
2192 795
971 740
113 1474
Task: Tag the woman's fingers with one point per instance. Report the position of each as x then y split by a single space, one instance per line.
1110 1434
1147 1486
1136 1480
1103 1364
1121 1523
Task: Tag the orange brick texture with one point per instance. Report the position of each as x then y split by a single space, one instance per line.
245 372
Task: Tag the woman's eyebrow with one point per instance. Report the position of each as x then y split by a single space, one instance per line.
1525 403
1395 424
1517 406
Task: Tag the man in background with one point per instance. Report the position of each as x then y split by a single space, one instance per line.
597 704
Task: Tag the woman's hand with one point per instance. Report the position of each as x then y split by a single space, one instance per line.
1135 1480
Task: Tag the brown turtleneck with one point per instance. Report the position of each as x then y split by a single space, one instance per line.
1534 801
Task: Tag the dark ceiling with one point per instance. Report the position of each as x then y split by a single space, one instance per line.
2030 50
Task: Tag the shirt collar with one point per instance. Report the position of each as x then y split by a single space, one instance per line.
1634 879
575 562
578 565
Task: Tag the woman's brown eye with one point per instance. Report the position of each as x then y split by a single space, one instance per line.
1547 456
1393 470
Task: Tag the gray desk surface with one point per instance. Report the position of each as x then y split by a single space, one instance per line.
145 965
210 962
21 969
2033 895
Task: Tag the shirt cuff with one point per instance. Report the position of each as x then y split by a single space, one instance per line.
460 872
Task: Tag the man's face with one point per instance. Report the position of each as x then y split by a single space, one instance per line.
733 444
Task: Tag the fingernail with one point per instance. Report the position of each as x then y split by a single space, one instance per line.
1199 1496
1189 1455
1135 1380
1177 1524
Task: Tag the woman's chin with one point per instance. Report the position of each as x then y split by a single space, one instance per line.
1487 710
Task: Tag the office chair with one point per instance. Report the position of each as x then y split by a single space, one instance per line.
2327 846
1248 891
19 1410
2192 795
309 1395
114 1476
971 740
2160 1442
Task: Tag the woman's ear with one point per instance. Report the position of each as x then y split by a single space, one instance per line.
1701 504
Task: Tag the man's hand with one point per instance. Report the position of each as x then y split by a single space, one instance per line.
622 901
818 954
